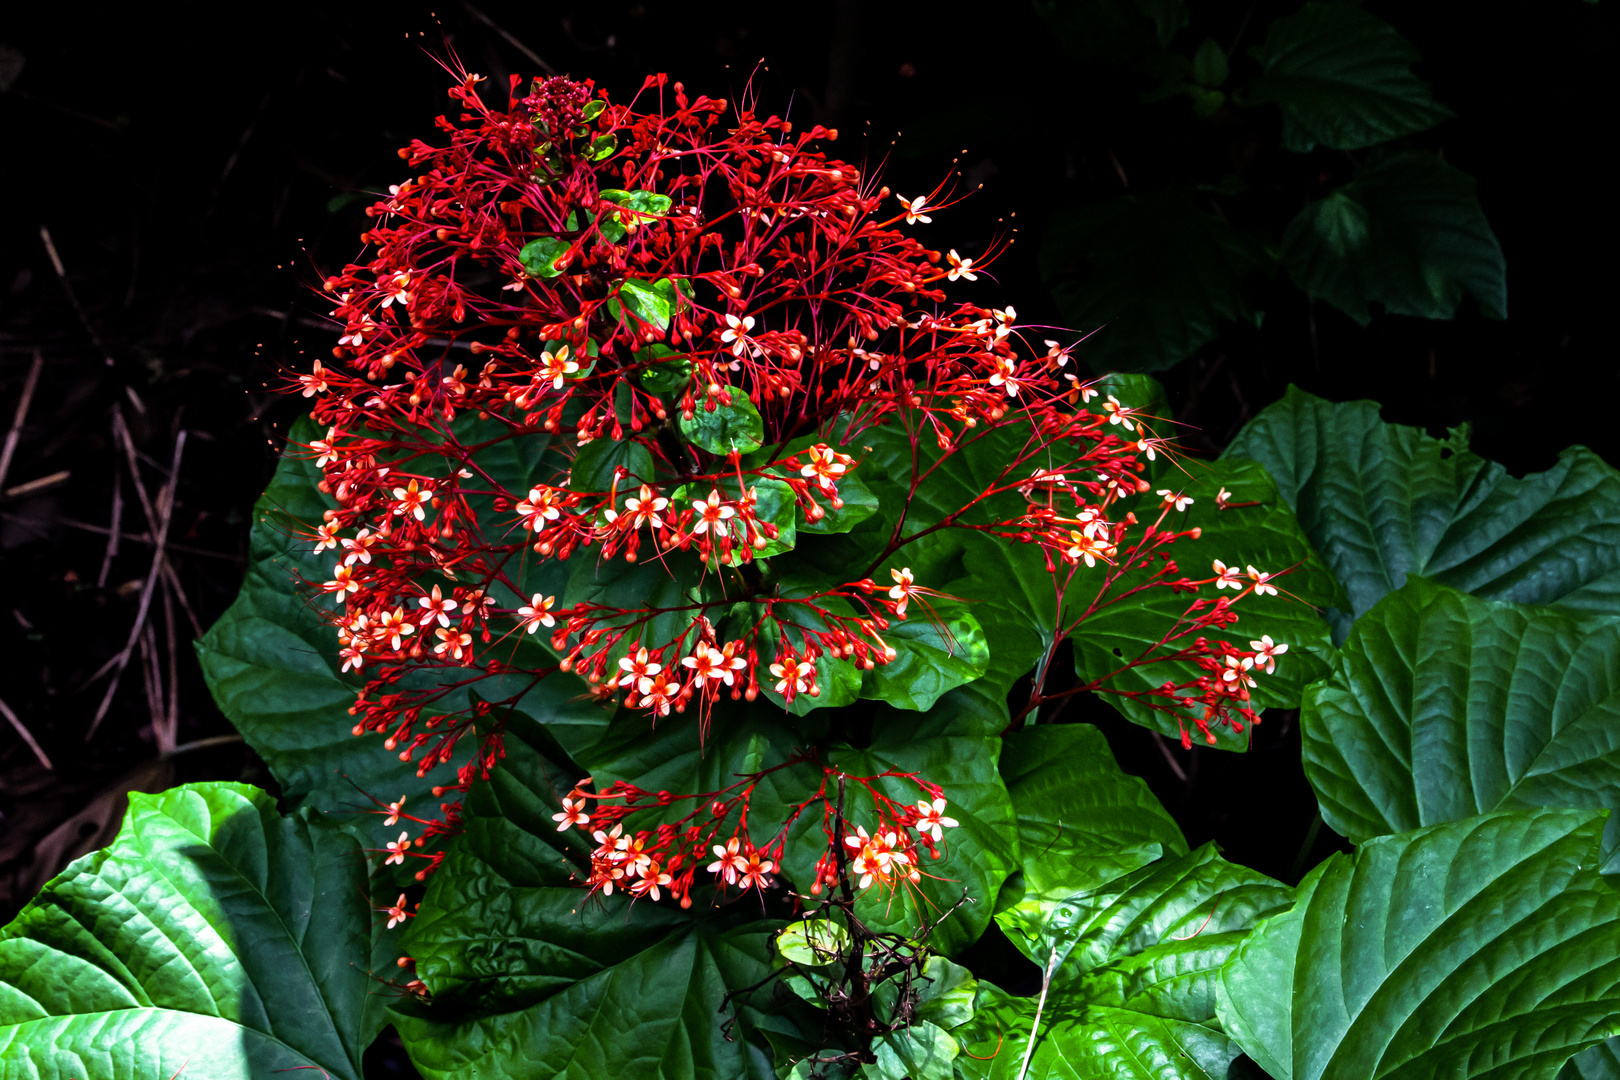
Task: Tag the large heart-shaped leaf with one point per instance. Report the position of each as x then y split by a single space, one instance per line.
271 661
1381 501
1488 947
1266 536
212 938
1154 275
1132 969
1082 821
1343 78
1445 706
1406 233
533 976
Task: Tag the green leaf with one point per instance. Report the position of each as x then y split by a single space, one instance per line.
1006 584
1601 1062
667 372
530 976
729 429
813 941
1132 968
1112 31
1153 275
1407 233
948 746
1078 1041
1082 821
598 461
1488 947
271 662
539 257
647 301
922 1051
213 938
642 207
945 993
1444 706
1266 536
1209 66
1381 501
1343 78
934 654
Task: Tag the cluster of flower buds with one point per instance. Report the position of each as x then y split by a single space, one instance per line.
669 856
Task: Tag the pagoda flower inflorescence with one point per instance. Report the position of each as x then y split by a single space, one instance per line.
600 280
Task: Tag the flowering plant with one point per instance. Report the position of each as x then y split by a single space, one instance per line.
749 419
656 470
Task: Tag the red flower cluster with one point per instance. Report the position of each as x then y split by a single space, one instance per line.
682 319
669 856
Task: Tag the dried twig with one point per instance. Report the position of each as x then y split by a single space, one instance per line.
116 524
21 415
27 736
73 297
138 538
164 512
171 719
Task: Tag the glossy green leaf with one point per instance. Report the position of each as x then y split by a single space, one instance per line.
1488 947
1266 536
728 429
1407 233
1380 501
1444 706
271 662
935 653
539 257
1132 968
532 976
598 462
639 207
1082 821
1154 275
647 302
1343 79
945 993
922 1051
213 938
1078 1041
667 372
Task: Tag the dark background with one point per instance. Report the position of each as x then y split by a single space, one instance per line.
199 172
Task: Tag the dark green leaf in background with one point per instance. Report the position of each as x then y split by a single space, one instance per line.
1154 274
213 938
1407 233
1380 501
1445 706
1343 78
1112 31
1488 947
